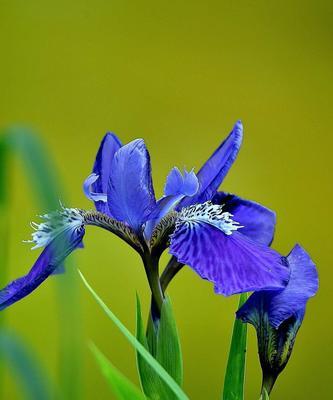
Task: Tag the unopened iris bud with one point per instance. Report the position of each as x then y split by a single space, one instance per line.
278 314
275 347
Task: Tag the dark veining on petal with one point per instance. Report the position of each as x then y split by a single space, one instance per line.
120 229
160 238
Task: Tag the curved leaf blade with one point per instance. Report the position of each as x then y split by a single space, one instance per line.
137 345
151 383
169 352
123 388
163 343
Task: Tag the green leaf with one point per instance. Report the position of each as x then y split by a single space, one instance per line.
123 388
151 383
26 368
138 346
163 343
235 372
264 395
36 162
169 352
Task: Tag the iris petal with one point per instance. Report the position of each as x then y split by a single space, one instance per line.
233 262
87 189
102 168
216 168
130 191
258 221
176 183
176 188
281 305
47 263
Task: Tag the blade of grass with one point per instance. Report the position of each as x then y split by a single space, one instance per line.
235 372
24 143
123 388
34 382
137 345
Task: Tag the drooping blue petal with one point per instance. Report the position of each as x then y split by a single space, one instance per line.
258 221
102 168
47 263
130 191
281 305
216 168
59 270
224 256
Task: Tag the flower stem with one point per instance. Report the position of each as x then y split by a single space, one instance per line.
267 384
151 268
172 268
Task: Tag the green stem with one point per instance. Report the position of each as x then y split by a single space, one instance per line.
151 267
268 382
172 268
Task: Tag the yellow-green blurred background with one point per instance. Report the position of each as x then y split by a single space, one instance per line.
178 74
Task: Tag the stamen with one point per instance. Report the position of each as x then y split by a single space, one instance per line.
56 222
209 213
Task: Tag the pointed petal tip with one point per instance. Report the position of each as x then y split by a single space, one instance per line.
301 264
239 124
112 136
238 130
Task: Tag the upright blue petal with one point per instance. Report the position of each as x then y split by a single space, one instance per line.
216 168
96 189
207 240
130 191
176 188
90 194
281 305
258 221
178 184
47 263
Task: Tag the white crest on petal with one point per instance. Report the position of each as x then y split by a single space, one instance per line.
209 213
56 222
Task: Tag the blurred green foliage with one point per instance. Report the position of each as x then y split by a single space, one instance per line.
24 144
178 74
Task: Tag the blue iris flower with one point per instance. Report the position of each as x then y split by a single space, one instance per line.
222 237
277 315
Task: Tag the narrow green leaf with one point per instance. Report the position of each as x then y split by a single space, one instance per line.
169 352
164 345
137 345
123 388
264 395
27 369
36 162
235 372
151 383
